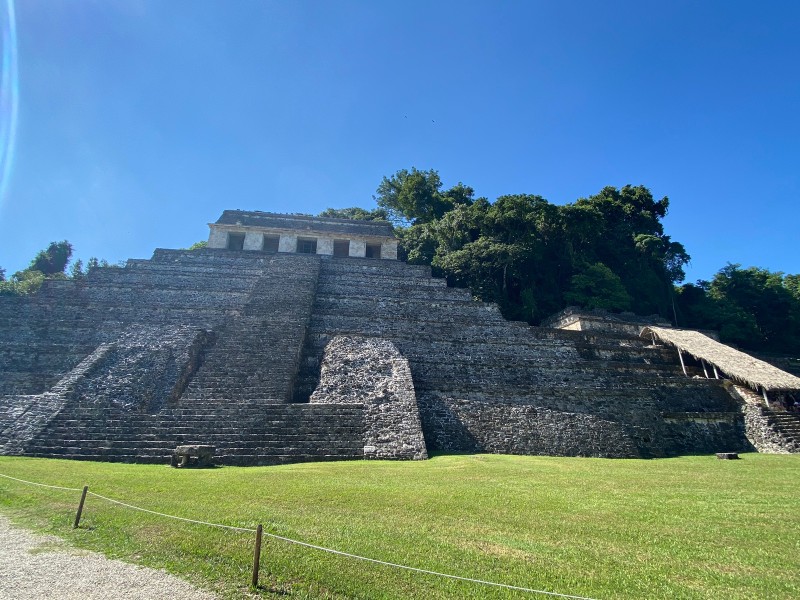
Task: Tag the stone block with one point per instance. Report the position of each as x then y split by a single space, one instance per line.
325 246
253 241
217 238
389 250
287 243
358 248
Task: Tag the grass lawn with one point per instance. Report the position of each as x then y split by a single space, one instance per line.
689 527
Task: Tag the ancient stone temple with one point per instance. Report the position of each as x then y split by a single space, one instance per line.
270 232
297 338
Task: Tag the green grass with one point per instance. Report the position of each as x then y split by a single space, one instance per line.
690 527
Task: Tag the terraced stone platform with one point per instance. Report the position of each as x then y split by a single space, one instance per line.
225 347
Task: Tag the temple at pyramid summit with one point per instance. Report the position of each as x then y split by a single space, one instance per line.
294 338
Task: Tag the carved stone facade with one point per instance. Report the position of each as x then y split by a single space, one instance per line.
270 232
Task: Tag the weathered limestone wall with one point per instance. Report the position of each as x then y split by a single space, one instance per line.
145 329
484 425
325 246
577 319
253 241
389 250
481 383
372 372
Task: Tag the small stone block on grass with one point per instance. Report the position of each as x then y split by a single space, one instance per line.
727 456
195 455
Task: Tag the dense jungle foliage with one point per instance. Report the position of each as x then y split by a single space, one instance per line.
607 251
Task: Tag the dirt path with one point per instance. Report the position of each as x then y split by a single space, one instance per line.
36 566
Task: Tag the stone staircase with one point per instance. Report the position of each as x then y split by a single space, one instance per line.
786 424
257 352
250 433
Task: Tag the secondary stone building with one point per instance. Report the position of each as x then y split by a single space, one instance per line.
275 345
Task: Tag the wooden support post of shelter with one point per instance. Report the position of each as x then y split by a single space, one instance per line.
705 371
683 366
727 362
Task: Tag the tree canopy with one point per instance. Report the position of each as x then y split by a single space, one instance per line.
50 263
52 260
533 257
755 308
608 251
416 197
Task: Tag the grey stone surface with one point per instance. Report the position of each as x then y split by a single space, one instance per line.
227 347
145 368
254 218
372 372
769 431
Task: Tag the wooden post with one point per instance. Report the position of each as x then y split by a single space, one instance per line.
702 362
256 556
683 366
764 393
80 507
716 375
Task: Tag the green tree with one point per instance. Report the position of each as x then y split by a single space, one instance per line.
597 286
792 283
622 229
756 308
47 264
76 271
22 282
414 197
53 260
198 245
95 263
753 308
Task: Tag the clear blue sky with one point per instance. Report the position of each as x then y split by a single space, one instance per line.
139 122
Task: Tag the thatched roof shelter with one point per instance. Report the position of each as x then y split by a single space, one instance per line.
736 365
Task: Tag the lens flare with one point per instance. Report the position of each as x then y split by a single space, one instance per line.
9 96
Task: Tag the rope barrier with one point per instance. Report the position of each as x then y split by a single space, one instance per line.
54 487
389 564
313 546
152 512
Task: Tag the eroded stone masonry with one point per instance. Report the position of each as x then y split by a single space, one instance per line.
294 338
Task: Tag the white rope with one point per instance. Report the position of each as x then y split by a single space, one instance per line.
54 487
388 564
152 512
307 545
